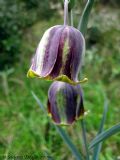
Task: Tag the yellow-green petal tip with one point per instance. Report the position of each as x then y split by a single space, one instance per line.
31 74
66 79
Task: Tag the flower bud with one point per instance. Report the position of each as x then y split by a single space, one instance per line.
59 55
65 103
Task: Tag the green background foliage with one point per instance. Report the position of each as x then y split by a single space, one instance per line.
24 128
15 17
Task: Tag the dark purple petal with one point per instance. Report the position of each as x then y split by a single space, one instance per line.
52 105
77 52
71 98
53 112
51 51
69 55
80 106
58 65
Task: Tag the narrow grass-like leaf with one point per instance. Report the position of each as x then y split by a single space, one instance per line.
82 26
47 156
105 135
61 132
104 116
85 138
69 143
98 147
38 101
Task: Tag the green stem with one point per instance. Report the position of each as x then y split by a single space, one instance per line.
71 17
84 138
85 17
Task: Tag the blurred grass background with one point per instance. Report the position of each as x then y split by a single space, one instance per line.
24 129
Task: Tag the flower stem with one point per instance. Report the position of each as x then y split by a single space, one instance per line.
84 138
66 12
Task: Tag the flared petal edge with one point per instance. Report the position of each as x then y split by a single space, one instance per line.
62 78
68 124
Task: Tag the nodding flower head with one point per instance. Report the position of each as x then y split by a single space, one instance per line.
59 55
65 103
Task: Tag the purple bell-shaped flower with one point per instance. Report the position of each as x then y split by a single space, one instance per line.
59 54
65 103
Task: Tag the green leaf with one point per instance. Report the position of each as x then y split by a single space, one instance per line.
69 143
61 132
85 138
98 147
105 135
82 26
71 5
104 116
38 101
